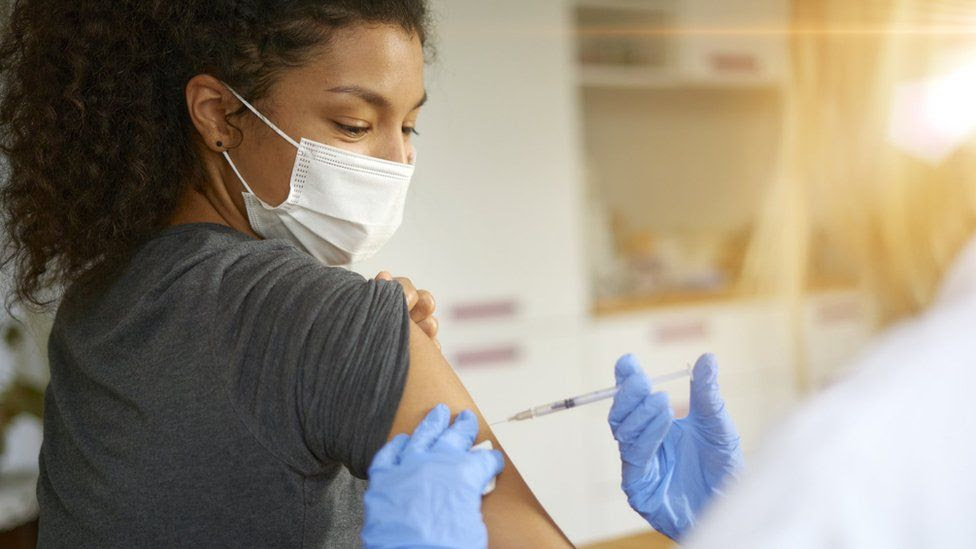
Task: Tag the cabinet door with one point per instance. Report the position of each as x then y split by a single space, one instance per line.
734 42
519 366
836 327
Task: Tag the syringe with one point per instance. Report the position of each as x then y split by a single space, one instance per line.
580 400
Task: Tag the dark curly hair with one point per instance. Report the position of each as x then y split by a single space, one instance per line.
93 119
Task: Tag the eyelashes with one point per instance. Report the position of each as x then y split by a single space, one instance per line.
352 131
356 132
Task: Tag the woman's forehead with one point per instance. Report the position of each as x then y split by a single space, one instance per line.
380 64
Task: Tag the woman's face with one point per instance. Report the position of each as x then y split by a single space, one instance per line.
363 94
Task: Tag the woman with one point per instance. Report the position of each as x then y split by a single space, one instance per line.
187 170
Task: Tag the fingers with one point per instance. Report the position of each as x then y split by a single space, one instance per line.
420 304
424 307
706 369
648 412
409 292
626 366
427 431
389 454
631 392
459 436
488 464
707 407
705 397
648 442
429 325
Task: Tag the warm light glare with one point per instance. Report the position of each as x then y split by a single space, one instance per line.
958 29
934 117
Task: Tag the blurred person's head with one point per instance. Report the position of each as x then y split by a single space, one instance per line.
895 208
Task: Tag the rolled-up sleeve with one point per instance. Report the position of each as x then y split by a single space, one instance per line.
316 358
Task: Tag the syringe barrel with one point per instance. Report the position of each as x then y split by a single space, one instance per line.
595 396
568 403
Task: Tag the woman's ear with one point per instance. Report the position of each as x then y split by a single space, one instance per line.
208 102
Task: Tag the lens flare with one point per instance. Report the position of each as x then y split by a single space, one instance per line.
932 118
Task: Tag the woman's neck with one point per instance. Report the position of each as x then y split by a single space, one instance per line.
205 206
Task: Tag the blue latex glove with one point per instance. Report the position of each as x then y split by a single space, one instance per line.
672 468
425 490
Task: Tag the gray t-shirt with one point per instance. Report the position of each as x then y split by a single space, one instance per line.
217 393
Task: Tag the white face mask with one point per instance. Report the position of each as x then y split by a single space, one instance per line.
342 207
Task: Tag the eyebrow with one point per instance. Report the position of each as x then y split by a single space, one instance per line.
372 97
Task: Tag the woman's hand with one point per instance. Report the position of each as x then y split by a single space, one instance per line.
420 303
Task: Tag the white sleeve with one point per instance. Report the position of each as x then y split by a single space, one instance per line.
882 460
783 499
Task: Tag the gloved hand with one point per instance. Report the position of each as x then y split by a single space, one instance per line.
425 490
672 469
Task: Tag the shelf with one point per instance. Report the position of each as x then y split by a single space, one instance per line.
644 78
628 304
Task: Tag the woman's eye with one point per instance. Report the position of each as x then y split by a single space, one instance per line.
410 131
352 131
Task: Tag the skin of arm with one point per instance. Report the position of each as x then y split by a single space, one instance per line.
512 514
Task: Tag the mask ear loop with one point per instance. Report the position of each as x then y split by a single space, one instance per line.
270 125
238 174
262 117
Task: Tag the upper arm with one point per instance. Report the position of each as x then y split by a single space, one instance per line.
513 516
315 358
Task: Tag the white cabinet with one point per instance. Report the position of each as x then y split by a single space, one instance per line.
734 41
508 367
533 366
836 327
751 340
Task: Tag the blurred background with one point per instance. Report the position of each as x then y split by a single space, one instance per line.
599 177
